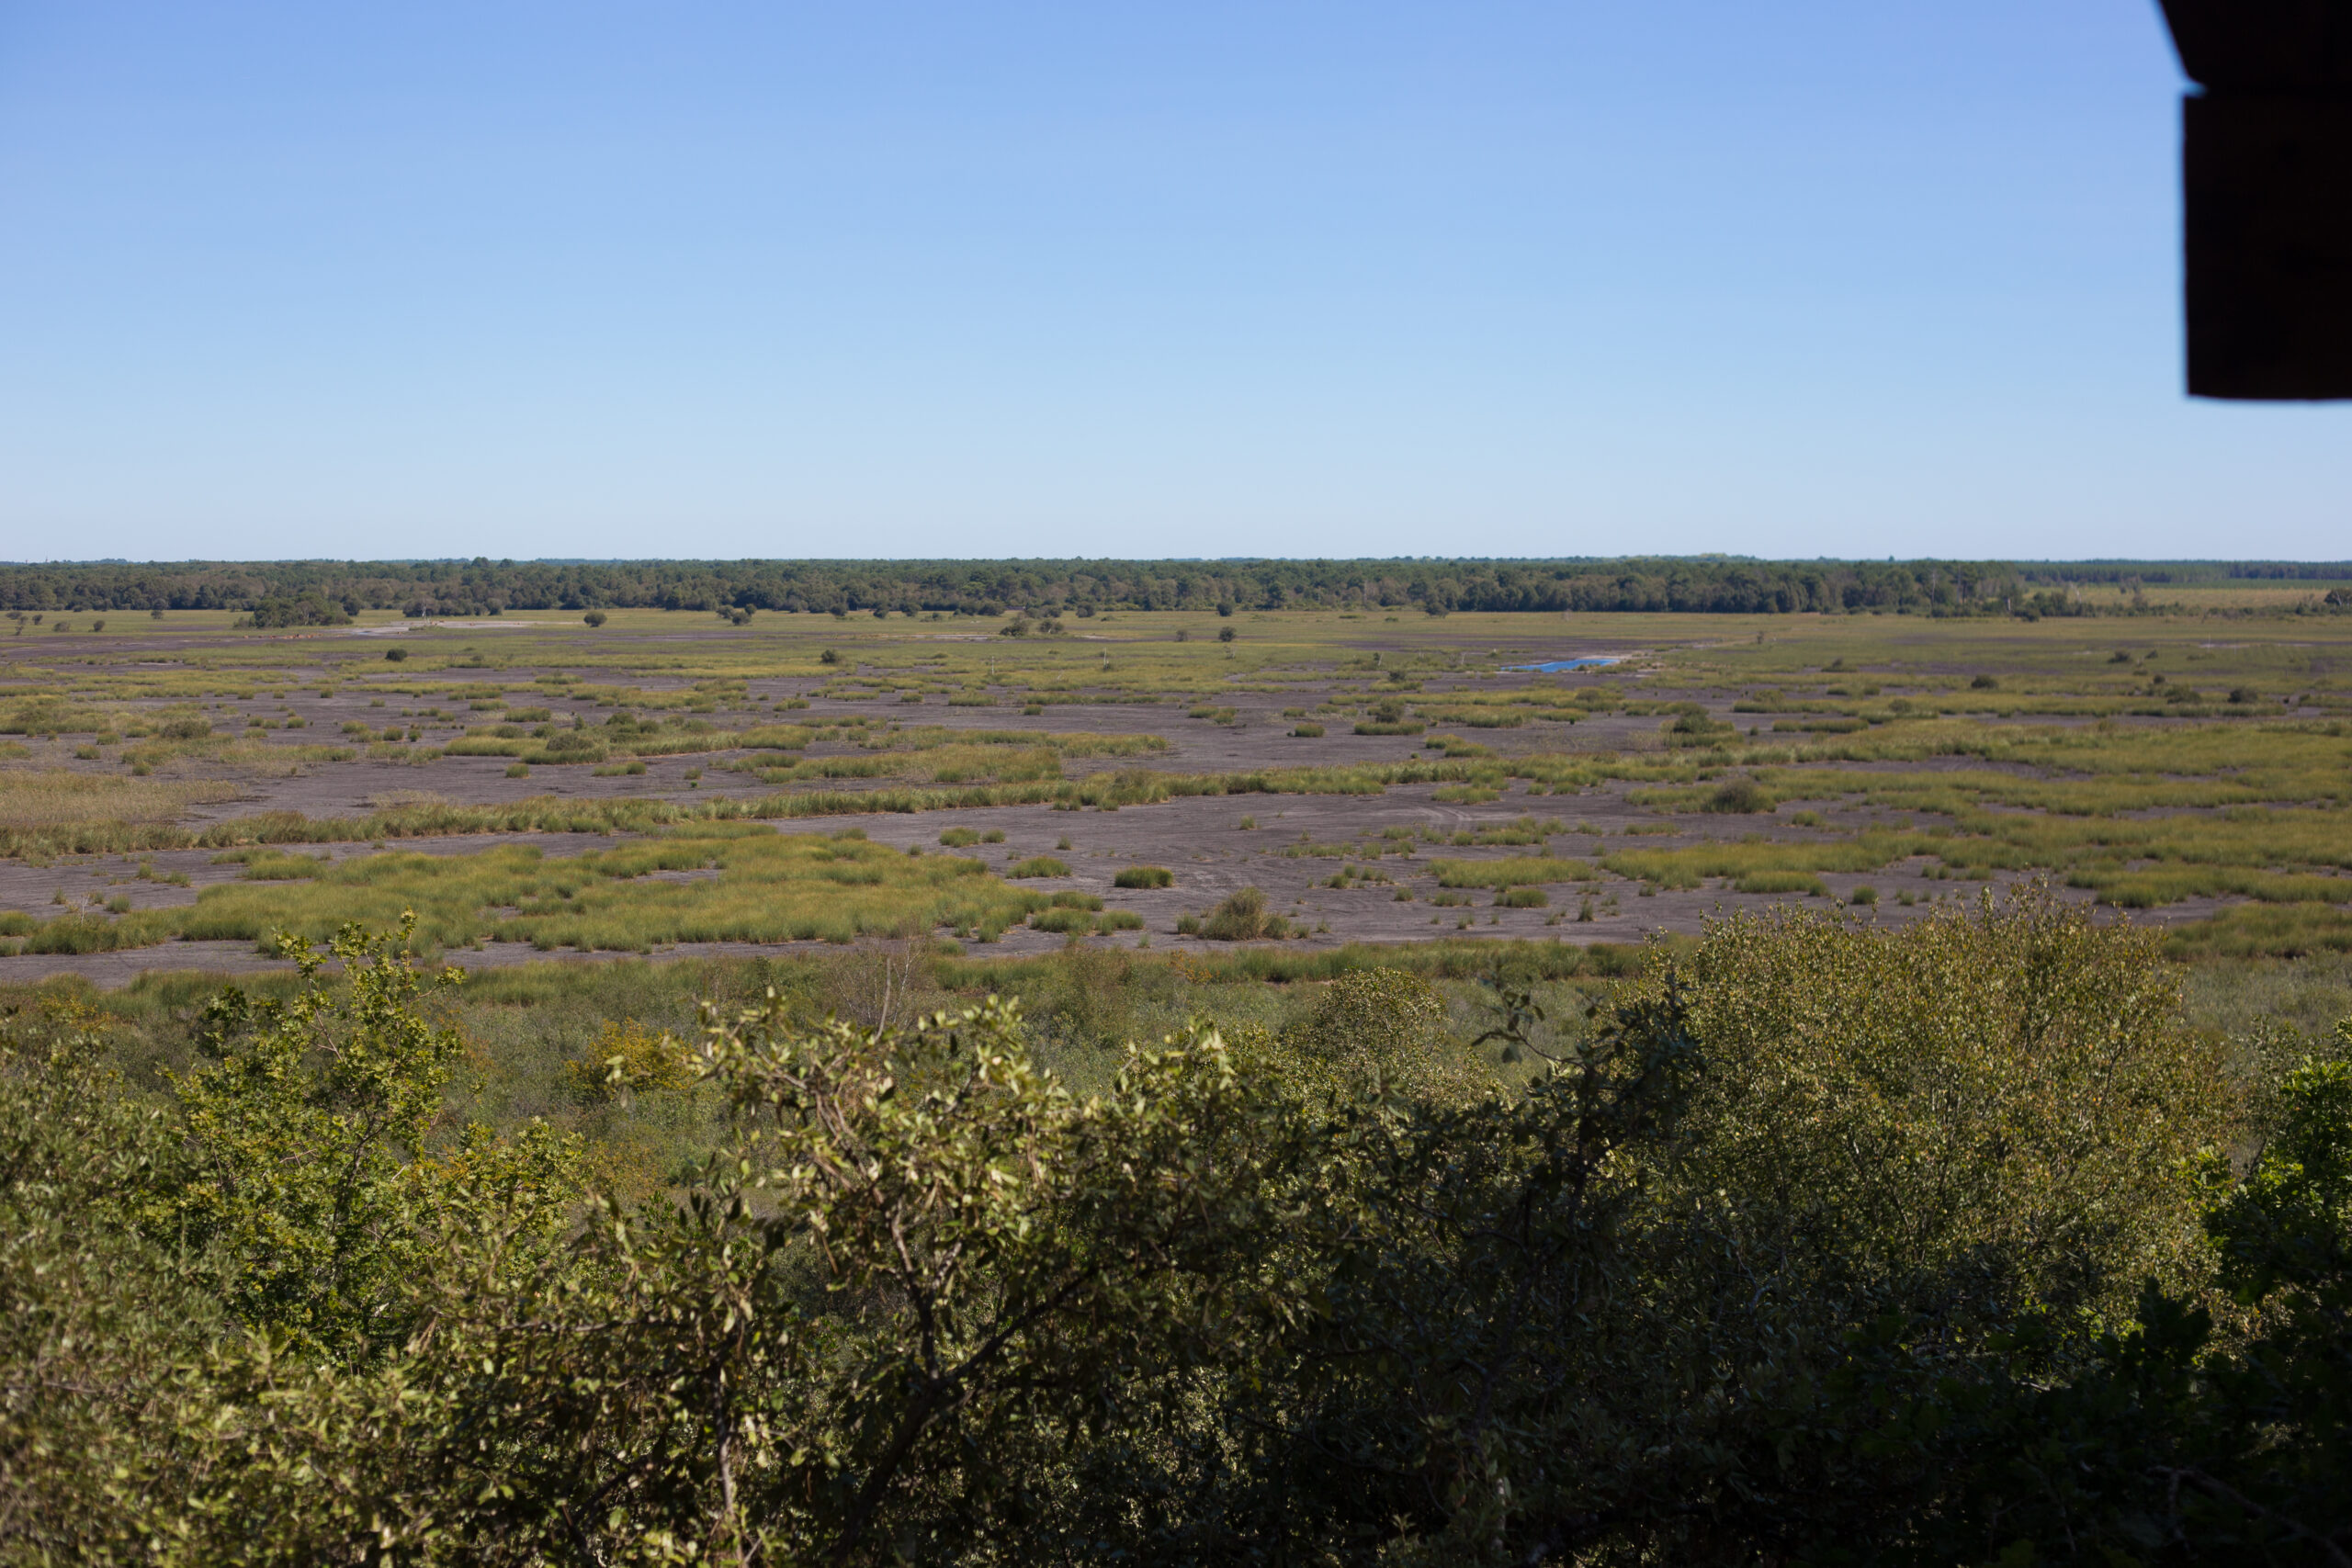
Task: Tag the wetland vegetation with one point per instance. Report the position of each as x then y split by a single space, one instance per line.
1856 1086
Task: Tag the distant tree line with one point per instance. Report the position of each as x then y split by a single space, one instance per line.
318 593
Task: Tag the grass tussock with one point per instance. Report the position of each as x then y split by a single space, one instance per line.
1522 872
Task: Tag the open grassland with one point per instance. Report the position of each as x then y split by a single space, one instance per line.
2198 766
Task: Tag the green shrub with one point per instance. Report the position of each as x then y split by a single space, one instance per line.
1839 1227
960 838
1307 731
396 654
2029 1098
1144 877
1388 1026
1037 865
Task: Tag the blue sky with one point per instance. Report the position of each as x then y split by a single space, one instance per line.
919 279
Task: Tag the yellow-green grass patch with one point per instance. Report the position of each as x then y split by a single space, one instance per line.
56 811
1523 871
708 884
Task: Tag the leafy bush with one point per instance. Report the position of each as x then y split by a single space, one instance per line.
594 617
628 1057
1810 1242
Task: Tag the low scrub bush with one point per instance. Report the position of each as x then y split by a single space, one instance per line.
1144 877
1036 866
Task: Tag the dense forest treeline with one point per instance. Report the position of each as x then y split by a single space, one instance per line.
288 593
1812 1243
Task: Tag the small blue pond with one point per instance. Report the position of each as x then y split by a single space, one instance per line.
1554 666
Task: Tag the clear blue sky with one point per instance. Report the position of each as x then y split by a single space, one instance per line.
987 280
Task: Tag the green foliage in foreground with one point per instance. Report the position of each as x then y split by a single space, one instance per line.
1812 1243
